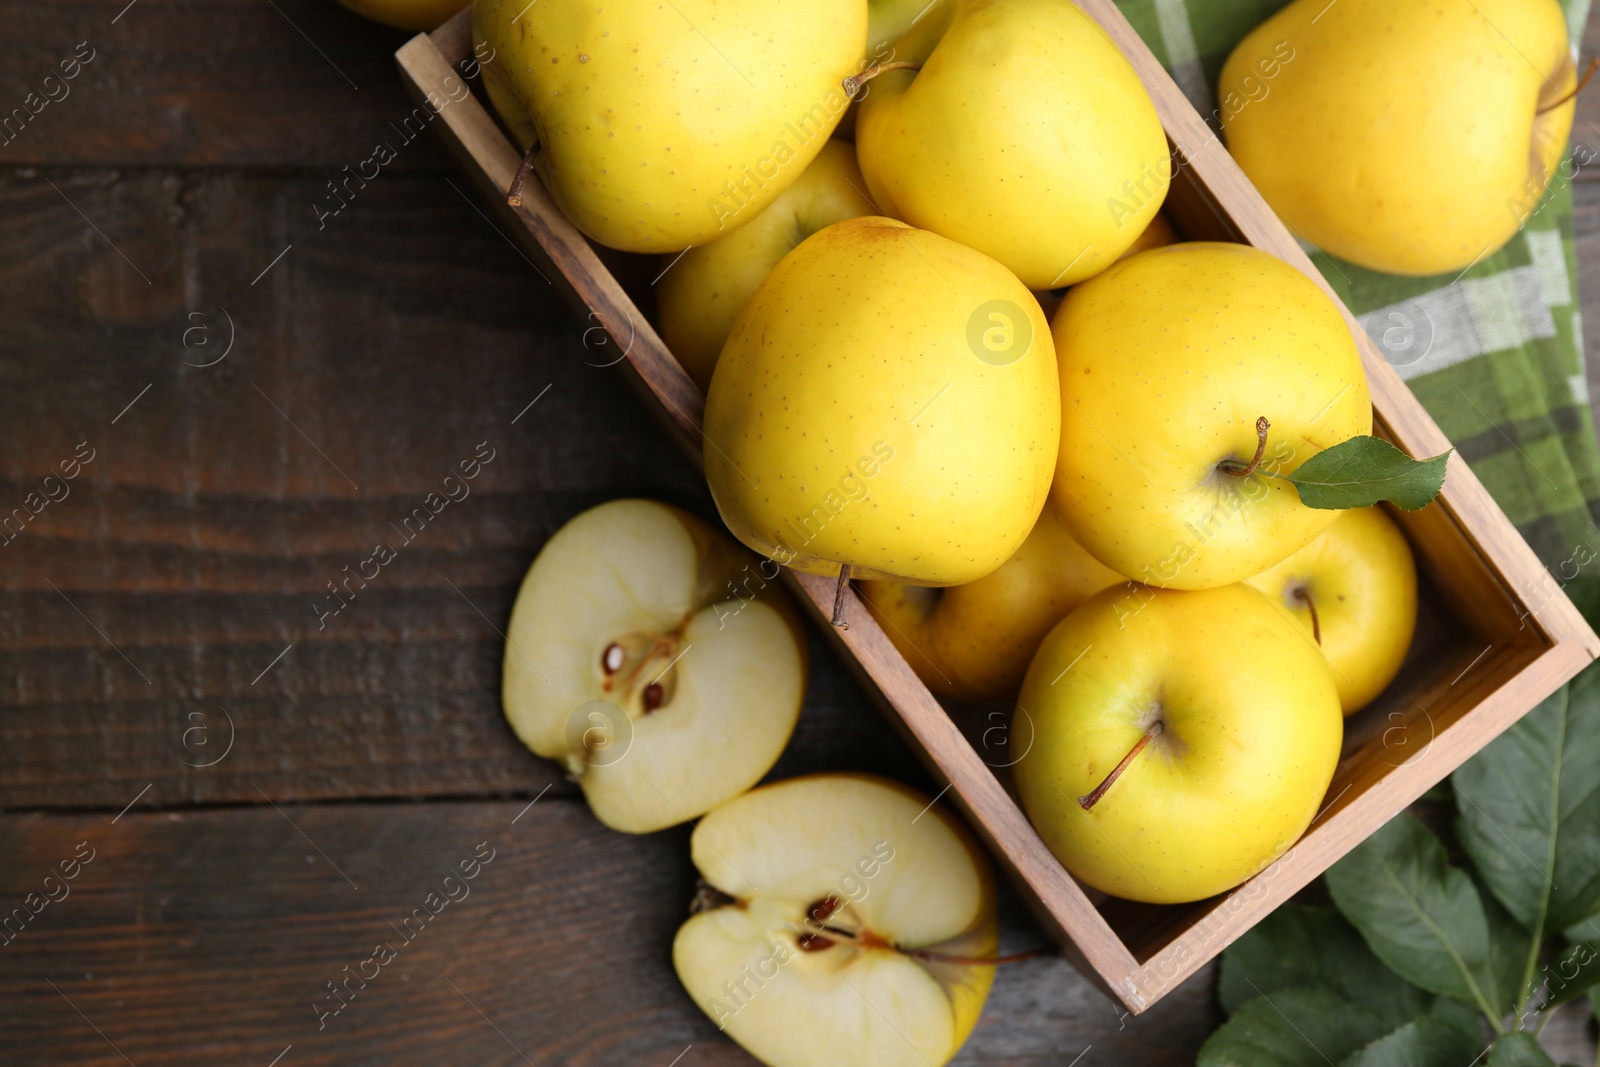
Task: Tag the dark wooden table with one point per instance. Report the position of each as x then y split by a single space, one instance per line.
264 388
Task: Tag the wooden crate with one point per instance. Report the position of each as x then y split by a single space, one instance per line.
1495 635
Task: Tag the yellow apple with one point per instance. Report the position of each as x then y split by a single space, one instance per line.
1354 590
665 125
1335 110
1168 360
1182 740
888 20
648 655
699 296
407 14
973 642
1024 134
845 924
886 403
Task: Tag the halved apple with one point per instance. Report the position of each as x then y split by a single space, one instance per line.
846 922
656 660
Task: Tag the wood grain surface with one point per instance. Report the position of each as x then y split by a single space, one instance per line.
385 344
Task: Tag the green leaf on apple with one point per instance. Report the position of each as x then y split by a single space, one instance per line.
1422 917
1362 471
1316 948
1530 811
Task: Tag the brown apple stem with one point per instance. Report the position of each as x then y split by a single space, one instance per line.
1262 425
514 194
1092 798
838 597
1311 606
1588 73
978 961
853 84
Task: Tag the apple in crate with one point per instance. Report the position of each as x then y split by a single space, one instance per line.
844 921
885 407
703 290
1354 591
1189 374
973 642
648 655
1183 740
1018 128
664 125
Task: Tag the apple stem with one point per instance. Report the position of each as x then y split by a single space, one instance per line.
1576 89
1316 625
979 961
1262 425
1089 800
853 84
839 598
514 194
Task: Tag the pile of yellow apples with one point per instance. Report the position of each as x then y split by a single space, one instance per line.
1143 510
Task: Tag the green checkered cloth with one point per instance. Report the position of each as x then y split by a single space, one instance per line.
1496 355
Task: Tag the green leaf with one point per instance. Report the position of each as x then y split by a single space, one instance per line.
1364 470
1419 915
1314 947
1504 977
1530 810
1519 1050
1291 1028
1448 1036
1575 972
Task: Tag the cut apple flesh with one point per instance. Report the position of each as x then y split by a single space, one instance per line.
630 660
833 892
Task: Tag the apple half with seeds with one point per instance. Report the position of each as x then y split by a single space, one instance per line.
843 921
657 660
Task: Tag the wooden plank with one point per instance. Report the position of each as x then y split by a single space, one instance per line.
205 937
240 83
204 532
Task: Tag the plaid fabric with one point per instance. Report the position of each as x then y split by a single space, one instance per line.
1495 355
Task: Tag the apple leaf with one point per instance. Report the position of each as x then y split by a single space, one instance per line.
1530 810
1364 470
1291 1028
1422 917
1574 973
1502 974
1448 1036
1314 947
1519 1050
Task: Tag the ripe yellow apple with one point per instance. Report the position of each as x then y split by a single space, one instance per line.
1168 360
973 642
888 20
1339 104
663 126
407 14
1354 590
1024 134
885 402
648 655
1232 722
699 296
844 925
